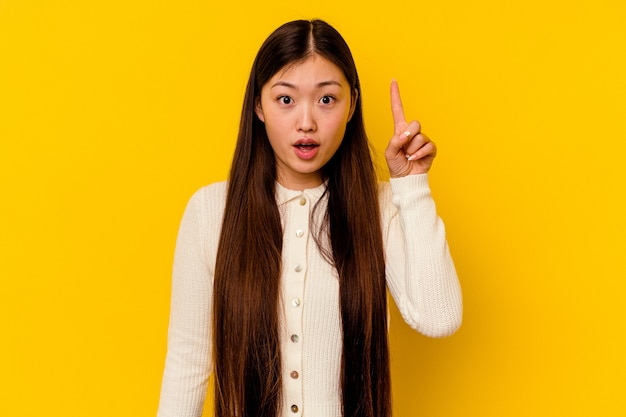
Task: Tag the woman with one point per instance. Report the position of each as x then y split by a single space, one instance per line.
288 305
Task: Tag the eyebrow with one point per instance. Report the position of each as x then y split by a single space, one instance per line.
319 85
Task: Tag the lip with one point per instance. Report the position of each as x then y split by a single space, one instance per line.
306 148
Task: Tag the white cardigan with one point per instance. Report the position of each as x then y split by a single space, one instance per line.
420 277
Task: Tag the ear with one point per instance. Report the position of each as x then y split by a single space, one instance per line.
355 97
258 109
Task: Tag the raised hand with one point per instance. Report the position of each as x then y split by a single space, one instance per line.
409 151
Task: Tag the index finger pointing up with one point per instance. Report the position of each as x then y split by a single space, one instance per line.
396 107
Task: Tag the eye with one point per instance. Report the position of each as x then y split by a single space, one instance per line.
327 100
285 100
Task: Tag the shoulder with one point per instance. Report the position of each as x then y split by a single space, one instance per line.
209 201
212 193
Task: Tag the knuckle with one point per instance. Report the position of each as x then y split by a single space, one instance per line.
417 125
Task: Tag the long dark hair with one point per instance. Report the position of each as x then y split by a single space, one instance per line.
247 359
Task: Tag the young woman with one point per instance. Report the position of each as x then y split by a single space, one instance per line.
280 274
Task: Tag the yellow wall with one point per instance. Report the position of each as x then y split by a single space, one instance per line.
113 112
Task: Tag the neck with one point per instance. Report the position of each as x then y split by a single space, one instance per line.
301 182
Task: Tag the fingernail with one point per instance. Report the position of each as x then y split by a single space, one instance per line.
407 156
412 157
407 133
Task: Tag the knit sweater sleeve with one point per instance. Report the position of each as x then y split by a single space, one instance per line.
188 360
420 272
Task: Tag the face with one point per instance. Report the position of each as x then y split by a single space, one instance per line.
305 108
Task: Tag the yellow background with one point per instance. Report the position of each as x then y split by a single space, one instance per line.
113 112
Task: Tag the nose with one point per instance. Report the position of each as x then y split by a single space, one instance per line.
306 119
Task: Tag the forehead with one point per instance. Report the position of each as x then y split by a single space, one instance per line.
312 70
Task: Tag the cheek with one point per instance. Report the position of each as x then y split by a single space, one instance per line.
274 127
276 132
337 125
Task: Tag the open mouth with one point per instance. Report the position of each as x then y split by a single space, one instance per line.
306 146
306 149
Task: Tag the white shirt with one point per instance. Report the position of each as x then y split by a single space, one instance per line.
420 277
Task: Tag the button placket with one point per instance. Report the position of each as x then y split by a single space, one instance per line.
293 296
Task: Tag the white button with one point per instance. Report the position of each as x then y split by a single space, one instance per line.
295 302
295 338
298 268
302 201
299 233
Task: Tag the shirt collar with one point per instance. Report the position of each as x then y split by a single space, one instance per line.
284 195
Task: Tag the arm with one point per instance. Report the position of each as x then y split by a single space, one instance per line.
188 361
420 272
